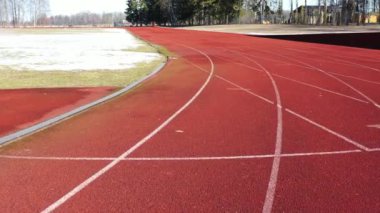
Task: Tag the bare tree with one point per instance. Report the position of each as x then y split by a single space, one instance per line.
325 12
4 12
22 12
38 9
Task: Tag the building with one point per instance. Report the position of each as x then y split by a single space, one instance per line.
311 15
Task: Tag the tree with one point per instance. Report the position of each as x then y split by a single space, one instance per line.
38 9
136 12
132 12
22 12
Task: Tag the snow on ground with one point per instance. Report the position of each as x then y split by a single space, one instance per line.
105 49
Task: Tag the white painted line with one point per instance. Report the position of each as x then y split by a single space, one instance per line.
244 65
374 150
356 64
322 89
318 125
303 83
265 58
358 145
334 77
234 84
335 58
105 169
247 91
207 158
15 157
53 121
238 89
243 157
269 198
356 78
374 126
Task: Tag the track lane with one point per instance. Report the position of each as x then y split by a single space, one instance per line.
136 146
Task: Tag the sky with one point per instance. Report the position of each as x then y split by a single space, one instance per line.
67 7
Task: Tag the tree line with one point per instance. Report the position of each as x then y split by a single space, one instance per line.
183 12
16 12
83 19
36 13
209 12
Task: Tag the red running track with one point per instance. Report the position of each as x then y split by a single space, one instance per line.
233 123
21 108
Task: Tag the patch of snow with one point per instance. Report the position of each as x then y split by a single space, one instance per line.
75 51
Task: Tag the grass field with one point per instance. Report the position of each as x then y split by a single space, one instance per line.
46 58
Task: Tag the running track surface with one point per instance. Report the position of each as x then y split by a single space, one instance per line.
232 123
21 108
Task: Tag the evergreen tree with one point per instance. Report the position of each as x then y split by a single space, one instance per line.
137 12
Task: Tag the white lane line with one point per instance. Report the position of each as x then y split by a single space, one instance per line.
239 63
234 52
340 57
374 150
312 122
300 82
15 157
374 126
201 158
358 145
320 88
356 78
334 77
326 73
238 89
243 157
356 64
234 84
271 190
105 169
247 91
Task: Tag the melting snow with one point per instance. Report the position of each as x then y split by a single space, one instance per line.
92 50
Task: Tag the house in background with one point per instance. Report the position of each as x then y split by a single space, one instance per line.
311 15
315 15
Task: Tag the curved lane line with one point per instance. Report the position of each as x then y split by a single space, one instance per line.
108 167
300 82
324 128
320 88
324 72
365 58
296 81
271 190
234 84
342 61
356 78
332 76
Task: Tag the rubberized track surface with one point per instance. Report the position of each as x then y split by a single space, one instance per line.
21 108
233 123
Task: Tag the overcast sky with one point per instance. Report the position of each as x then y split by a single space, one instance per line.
58 7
